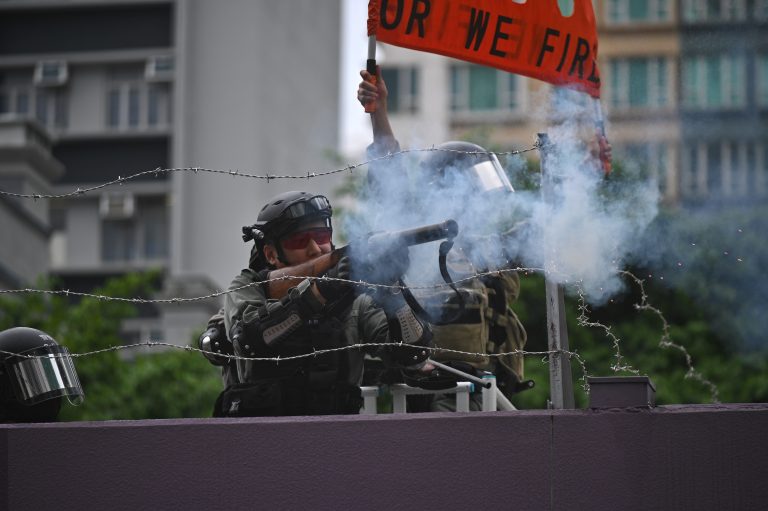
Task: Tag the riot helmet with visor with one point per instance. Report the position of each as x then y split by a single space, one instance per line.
35 373
470 163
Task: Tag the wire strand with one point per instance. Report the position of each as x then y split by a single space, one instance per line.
237 173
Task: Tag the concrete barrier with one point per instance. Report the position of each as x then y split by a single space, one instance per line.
664 458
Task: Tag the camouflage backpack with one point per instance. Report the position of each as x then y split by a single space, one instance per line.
487 325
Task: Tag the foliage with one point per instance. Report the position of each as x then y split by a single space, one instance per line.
117 384
738 377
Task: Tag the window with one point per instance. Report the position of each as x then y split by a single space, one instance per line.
639 83
762 80
723 169
638 11
47 105
137 105
483 89
134 104
703 11
117 240
142 237
155 231
761 10
714 81
403 87
760 173
689 172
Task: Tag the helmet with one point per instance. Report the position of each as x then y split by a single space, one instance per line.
281 216
465 160
283 213
35 373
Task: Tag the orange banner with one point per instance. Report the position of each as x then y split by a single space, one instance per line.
531 38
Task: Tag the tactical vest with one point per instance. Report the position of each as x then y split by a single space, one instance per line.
487 324
317 385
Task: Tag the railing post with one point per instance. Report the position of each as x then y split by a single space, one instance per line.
560 379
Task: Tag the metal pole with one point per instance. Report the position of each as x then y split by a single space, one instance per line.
480 381
560 380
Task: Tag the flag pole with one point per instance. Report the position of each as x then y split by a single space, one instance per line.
600 126
370 64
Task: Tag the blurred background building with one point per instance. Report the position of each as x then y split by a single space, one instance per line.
95 90
91 91
684 91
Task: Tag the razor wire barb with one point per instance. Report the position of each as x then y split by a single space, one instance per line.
267 176
666 339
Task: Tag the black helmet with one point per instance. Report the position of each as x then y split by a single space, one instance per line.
469 161
281 216
35 373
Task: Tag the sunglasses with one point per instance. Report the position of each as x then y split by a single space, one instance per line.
300 240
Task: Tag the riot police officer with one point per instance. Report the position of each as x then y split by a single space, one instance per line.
293 333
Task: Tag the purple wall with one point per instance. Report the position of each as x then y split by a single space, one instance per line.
675 457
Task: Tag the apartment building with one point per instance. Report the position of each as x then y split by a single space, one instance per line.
684 93
129 86
26 167
724 100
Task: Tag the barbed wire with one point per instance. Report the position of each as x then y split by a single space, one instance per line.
315 353
583 320
282 278
267 177
666 339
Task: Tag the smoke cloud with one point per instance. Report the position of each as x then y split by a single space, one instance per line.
575 227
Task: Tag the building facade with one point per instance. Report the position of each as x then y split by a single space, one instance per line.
684 93
26 167
129 86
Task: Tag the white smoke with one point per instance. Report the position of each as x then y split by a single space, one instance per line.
577 229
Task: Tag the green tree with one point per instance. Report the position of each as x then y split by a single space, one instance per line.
118 384
736 375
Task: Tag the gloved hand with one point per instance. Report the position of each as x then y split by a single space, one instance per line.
333 289
388 265
214 341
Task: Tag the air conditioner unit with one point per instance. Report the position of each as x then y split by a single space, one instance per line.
159 68
117 205
51 73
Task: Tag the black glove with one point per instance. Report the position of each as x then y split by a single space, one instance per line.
333 289
388 266
214 341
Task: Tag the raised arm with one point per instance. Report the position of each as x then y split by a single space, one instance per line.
384 140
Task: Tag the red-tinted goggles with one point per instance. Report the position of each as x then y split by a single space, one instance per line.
300 240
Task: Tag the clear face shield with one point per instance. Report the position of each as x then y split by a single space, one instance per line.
44 373
489 176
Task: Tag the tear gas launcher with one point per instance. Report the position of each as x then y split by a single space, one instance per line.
369 254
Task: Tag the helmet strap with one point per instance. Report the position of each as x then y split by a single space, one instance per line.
280 254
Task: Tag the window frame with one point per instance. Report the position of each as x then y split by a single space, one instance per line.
509 98
618 12
698 11
407 93
696 87
657 83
